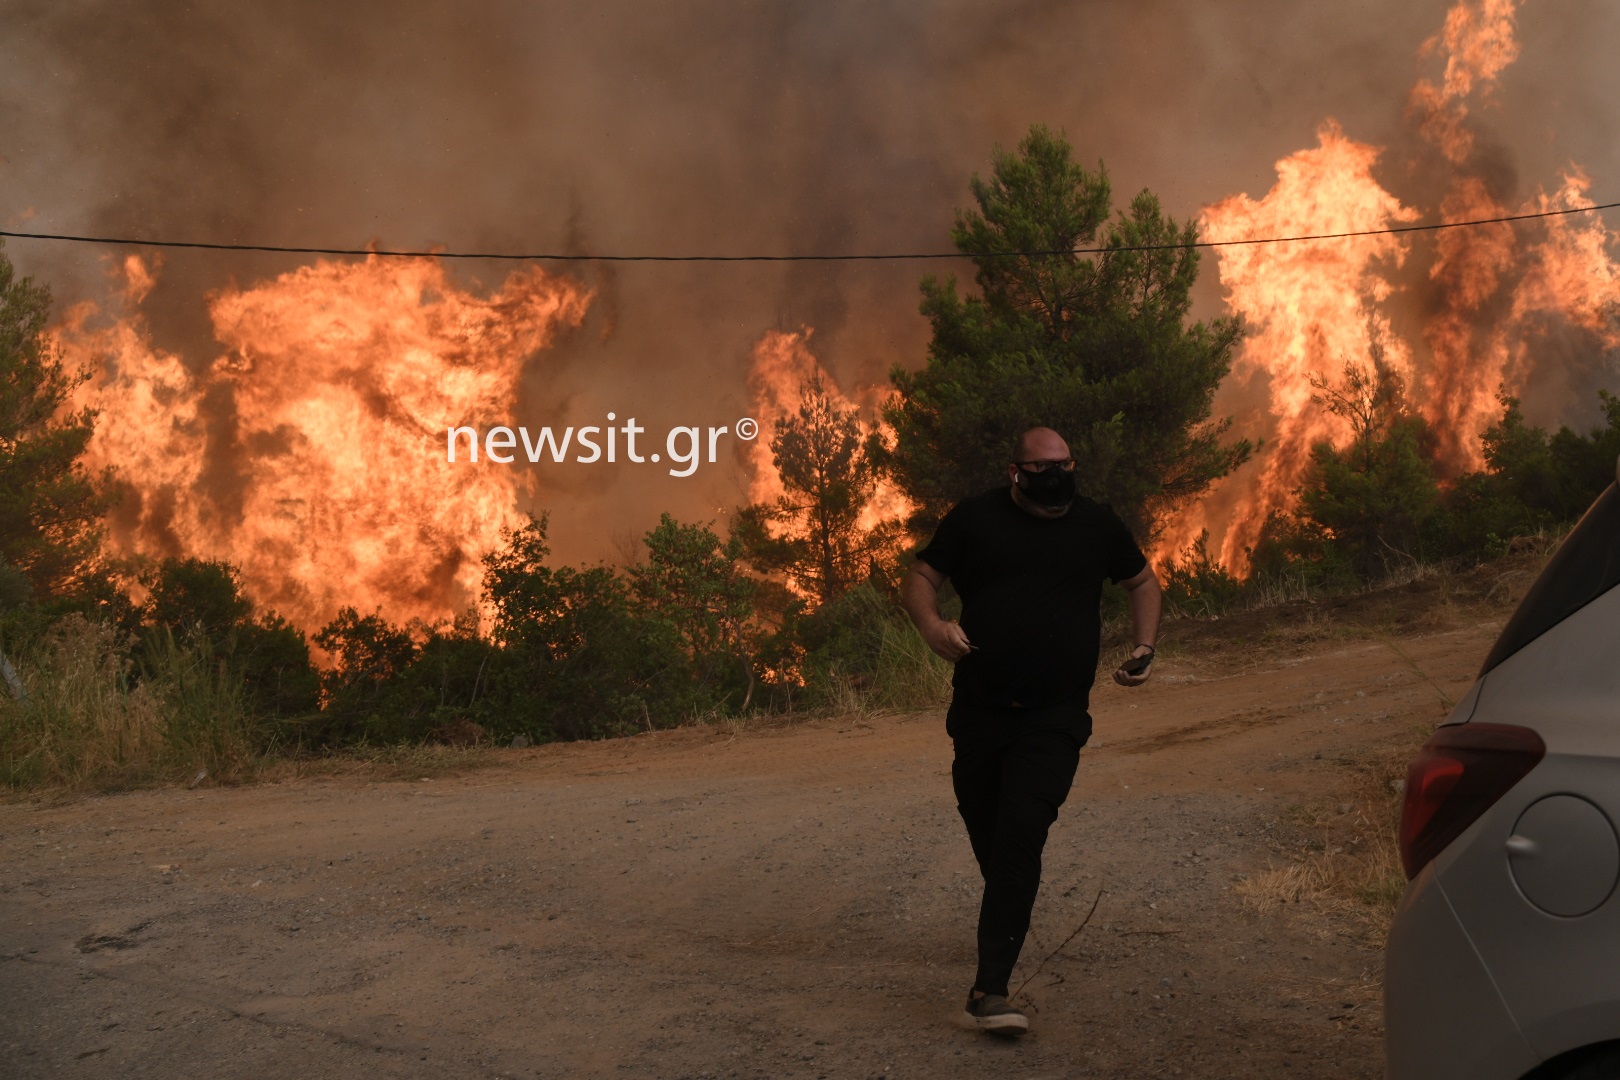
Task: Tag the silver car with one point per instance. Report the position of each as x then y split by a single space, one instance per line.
1504 956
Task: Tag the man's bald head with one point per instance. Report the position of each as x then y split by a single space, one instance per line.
1039 444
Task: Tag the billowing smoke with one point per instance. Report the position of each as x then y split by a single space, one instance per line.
721 127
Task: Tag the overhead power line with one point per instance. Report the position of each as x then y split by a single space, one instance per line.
877 257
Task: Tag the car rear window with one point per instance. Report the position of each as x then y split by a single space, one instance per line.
1585 566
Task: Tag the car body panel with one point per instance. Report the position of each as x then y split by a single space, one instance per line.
1560 976
1548 968
1565 684
1443 1014
1553 981
1463 711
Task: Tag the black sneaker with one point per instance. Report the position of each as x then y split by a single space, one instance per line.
995 1014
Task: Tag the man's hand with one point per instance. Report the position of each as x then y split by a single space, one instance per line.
946 639
919 592
1145 600
1125 678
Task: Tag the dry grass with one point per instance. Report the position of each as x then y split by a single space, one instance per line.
1286 617
905 674
411 761
1347 862
1344 860
86 722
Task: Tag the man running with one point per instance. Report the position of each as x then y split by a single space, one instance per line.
1028 562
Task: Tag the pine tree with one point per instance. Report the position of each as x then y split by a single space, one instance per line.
50 505
813 534
1096 346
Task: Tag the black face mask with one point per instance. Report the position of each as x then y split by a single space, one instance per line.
1050 488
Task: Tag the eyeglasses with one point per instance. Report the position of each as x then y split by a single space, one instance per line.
1062 465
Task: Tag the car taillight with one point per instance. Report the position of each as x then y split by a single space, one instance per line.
1460 772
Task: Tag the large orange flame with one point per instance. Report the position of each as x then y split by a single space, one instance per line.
1310 306
1478 44
1572 273
1483 294
332 487
1468 354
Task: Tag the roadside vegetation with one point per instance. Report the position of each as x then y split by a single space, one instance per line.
120 672
1336 852
1345 861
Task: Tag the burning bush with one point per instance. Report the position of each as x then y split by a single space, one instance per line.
1377 507
819 534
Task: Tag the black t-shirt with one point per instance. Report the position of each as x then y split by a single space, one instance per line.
1030 591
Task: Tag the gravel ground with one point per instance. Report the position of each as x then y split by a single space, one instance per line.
795 901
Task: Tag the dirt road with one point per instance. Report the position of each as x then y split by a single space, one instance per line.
789 902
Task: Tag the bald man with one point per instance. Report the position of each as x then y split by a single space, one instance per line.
1028 561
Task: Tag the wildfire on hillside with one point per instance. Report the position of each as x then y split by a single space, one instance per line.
1481 297
309 453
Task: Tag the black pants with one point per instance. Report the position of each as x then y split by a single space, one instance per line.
1012 771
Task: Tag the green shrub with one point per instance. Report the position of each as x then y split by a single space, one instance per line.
205 722
582 659
87 721
199 603
691 580
1196 585
861 650
1532 483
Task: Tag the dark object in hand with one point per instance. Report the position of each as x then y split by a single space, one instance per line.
1137 666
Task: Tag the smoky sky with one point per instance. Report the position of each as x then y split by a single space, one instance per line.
725 128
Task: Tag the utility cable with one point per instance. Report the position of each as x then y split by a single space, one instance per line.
895 257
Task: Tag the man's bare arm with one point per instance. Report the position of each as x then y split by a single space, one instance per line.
919 592
1146 601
